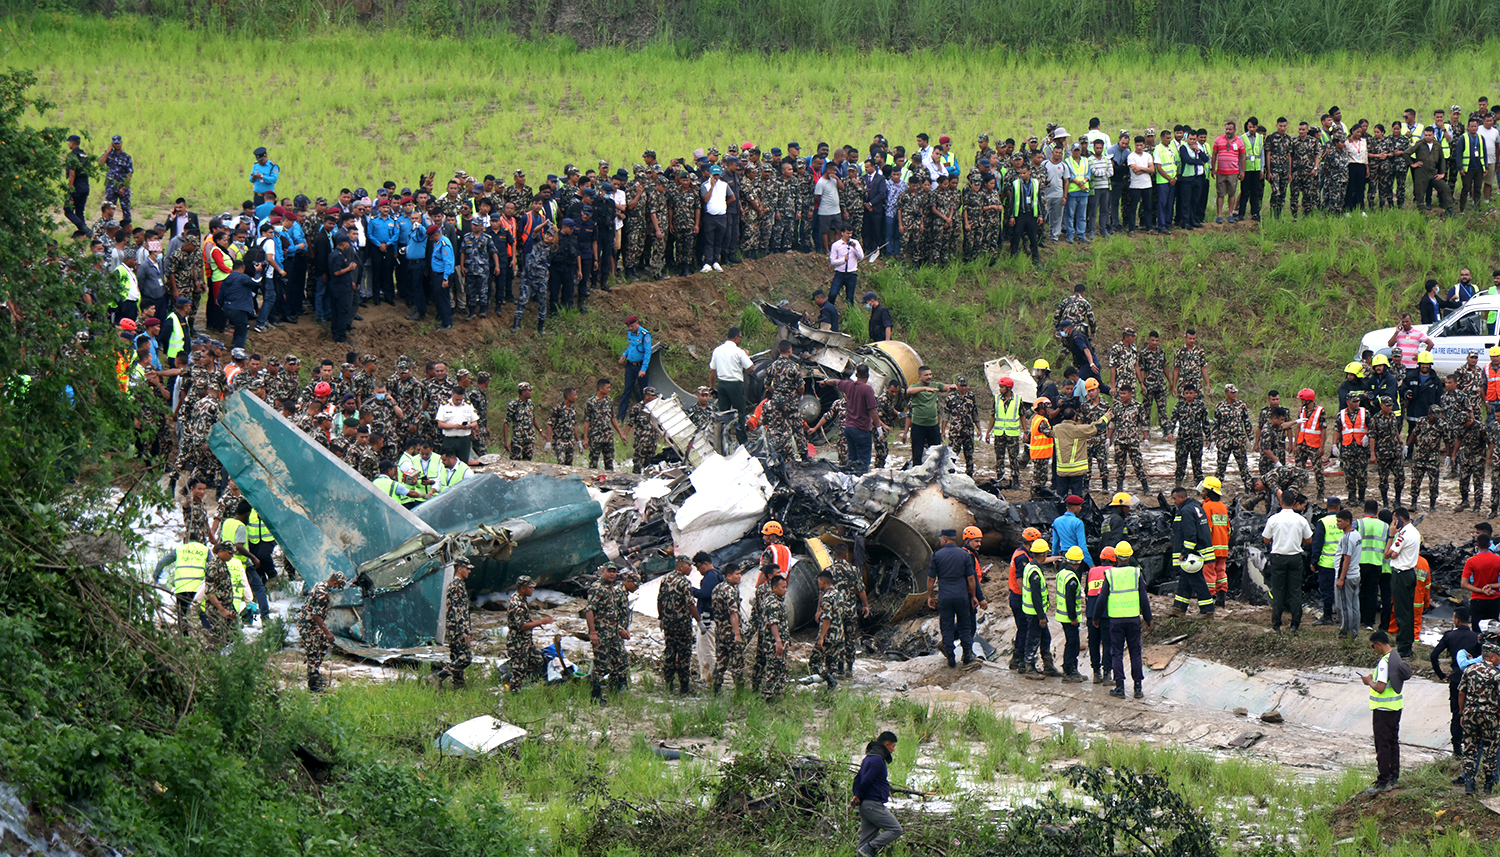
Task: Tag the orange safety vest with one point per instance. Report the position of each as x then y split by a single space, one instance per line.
1020 554
1218 526
1096 580
1353 432
230 371
1307 428
1041 445
1491 383
783 556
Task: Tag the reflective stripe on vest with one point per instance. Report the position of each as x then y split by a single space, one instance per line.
1015 197
177 338
1080 170
1353 433
1307 427
1041 445
1124 592
1030 608
445 481
1465 154
257 531
387 487
1389 699
1064 577
783 556
1491 382
1096 580
191 567
1007 418
1254 145
1372 536
1331 536
1166 157
238 583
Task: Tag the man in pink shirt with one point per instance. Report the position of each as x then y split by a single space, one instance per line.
1229 169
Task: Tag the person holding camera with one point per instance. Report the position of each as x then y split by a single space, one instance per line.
457 420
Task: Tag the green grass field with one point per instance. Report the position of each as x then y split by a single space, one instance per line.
354 108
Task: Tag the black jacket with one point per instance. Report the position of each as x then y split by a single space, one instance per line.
1453 642
875 193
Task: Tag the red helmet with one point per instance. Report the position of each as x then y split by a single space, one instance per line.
322 388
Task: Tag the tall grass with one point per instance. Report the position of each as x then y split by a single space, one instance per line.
1239 27
344 106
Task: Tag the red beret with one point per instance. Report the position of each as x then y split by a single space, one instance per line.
433 229
631 319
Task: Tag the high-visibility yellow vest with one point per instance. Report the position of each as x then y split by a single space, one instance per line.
1331 536
239 585
1124 592
444 481
1064 577
387 486
230 529
1255 144
1032 573
176 336
1388 699
1007 417
1015 197
1464 154
1166 156
256 530
1079 169
1372 536
191 567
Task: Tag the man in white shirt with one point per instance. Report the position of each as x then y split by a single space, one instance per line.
457 419
1491 136
845 256
827 193
1286 532
726 373
1405 549
716 195
1138 203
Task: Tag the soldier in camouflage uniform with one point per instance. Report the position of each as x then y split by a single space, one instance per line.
782 201
991 216
1127 426
520 424
606 613
1189 363
1282 477
385 415
478 256
1306 151
1427 447
562 427
282 383
361 456
832 422
534 273
1383 158
525 658
942 225
185 271
1335 170
1232 434
781 417
219 583
639 422
852 200
657 222
970 201
701 414
599 413
1472 443
1153 363
1354 458
1385 440
1190 424
1077 309
773 638
459 631
963 421
1307 456
677 610
1401 164
1124 359
1480 690
828 650
851 583
730 630
637 220
911 207
1278 166
684 205
362 384
313 630
891 406
194 458
478 397
195 513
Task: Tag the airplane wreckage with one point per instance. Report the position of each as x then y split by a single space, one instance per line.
708 493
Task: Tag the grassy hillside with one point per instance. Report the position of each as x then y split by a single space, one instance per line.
348 107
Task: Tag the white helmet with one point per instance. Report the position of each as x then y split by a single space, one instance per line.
1192 563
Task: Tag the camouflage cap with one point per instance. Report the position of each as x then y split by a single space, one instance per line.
525 580
603 166
704 391
346 367
984 138
322 200
1490 649
464 561
639 169
713 150
734 148
256 383
608 566
403 362
336 580
1129 331
650 391
224 546
630 575
658 169
368 358
274 361
482 377
292 359
524 385
463 373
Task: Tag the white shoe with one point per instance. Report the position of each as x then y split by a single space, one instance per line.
705 269
717 268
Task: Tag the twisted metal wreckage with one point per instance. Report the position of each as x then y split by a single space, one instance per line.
709 494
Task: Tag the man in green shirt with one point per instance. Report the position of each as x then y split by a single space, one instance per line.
922 424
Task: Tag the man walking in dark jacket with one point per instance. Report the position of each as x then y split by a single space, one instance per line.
872 788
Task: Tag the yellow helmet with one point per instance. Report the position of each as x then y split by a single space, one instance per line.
1123 550
1382 360
1040 546
1424 357
1121 499
1357 369
1075 554
1041 364
1211 483
1495 350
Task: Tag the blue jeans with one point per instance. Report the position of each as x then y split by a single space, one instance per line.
892 235
320 298
860 442
268 301
1075 220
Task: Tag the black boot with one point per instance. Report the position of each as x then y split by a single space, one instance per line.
687 688
539 323
1119 690
718 687
597 695
515 325
1219 599
1139 694
833 683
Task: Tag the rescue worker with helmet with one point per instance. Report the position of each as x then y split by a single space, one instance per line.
1070 608
1308 448
1383 383
1034 605
1040 444
775 560
1018 560
1101 654
1216 570
1192 550
1354 382
1127 611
